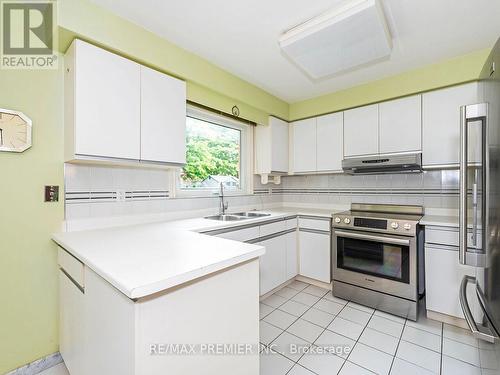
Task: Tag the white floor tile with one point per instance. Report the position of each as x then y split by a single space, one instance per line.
290 346
299 370
294 308
380 341
401 367
354 315
452 366
357 306
460 351
460 335
318 317
274 301
297 285
274 364
264 310
329 306
268 332
419 356
305 330
425 324
322 364
394 318
316 291
286 292
305 298
59 369
346 328
331 297
280 319
334 343
371 359
423 338
386 326
350 368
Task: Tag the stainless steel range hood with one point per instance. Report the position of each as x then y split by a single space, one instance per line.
380 164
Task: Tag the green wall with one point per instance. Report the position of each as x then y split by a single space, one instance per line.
28 267
447 73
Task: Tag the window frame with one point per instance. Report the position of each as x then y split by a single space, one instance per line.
246 155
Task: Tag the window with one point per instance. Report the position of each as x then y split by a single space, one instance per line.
216 152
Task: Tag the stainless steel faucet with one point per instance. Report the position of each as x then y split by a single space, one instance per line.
222 205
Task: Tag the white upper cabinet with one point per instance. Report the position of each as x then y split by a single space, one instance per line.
304 145
329 141
163 117
361 131
400 125
103 103
271 147
119 111
441 123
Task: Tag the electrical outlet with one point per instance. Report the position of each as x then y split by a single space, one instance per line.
120 195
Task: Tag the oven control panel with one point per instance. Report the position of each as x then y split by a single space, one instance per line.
372 224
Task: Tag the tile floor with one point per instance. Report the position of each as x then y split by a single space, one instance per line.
309 317
376 343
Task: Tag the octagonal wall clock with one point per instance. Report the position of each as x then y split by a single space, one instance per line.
15 131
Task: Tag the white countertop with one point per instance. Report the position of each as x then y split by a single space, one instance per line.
144 259
442 221
140 260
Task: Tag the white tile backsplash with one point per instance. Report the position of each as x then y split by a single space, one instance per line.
433 189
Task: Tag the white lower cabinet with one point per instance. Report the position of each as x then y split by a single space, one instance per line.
443 275
272 264
315 255
292 265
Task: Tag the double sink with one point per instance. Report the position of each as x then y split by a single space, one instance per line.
236 216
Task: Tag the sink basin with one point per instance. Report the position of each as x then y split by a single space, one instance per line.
251 214
225 217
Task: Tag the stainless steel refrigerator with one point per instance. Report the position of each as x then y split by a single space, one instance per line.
480 204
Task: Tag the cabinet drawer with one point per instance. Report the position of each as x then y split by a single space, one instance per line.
242 235
318 224
449 236
291 223
72 266
267 229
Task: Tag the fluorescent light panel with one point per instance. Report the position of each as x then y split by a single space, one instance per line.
342 39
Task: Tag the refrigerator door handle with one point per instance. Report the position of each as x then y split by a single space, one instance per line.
464 135
489 337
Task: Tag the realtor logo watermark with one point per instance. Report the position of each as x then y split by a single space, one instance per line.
29 35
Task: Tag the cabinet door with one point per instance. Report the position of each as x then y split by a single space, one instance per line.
361 131
400 125
441 123
330 142
279 145
304 145
443 275
272 264
107 104
71 325
315 255
291 255
163 117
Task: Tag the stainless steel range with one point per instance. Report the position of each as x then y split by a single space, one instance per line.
377 257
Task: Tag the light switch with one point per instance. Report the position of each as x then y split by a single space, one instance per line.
51 193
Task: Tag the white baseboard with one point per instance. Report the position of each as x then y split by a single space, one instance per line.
38 366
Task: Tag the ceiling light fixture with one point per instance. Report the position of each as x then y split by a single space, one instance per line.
342 39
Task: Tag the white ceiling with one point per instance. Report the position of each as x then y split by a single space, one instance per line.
242 36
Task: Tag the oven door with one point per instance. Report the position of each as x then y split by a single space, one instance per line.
385 263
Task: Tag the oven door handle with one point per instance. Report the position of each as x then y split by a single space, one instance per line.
369 237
